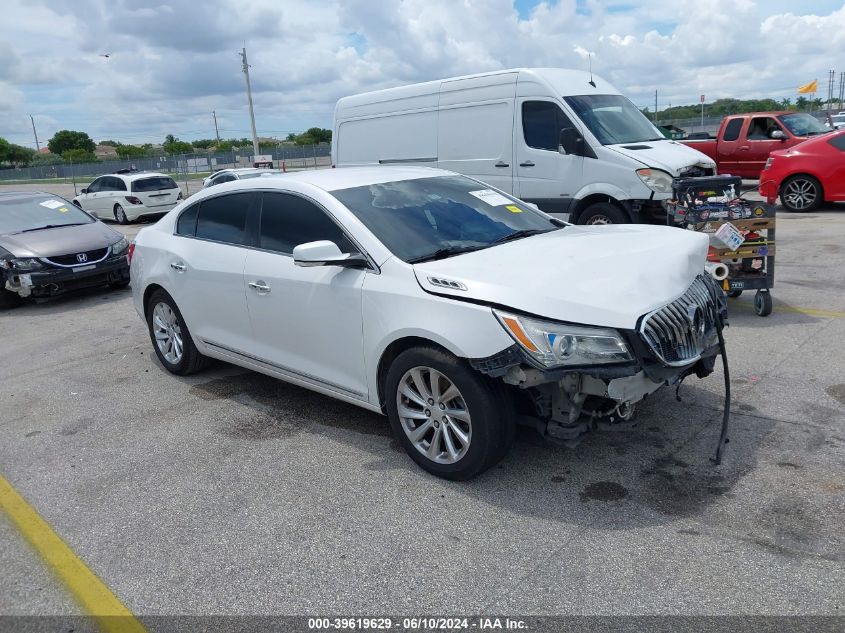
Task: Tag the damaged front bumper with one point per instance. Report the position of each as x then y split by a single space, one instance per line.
48 282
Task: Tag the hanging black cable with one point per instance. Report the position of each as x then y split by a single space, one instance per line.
726 415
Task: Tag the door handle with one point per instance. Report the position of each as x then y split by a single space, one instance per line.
527 163
501 164
259 286
744 148
178 266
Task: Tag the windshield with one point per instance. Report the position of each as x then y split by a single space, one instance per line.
430 218
802 124
613 119
33 212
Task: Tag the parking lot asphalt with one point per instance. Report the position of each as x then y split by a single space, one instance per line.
232 493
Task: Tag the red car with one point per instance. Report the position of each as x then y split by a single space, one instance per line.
807 174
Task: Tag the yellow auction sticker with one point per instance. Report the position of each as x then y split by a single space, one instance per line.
513 208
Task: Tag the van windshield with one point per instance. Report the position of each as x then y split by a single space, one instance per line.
613 119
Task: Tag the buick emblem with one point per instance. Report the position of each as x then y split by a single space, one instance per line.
696 320
81 258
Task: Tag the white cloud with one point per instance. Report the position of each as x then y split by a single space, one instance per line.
173 62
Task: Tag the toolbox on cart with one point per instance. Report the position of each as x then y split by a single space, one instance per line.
742 233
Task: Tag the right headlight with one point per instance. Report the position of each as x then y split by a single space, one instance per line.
559 345
656 180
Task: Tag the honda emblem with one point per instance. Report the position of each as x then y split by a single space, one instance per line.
81 258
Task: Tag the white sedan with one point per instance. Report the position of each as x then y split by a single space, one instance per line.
128 197
454 308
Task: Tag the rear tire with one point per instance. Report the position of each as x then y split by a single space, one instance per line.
164 321
465 433
600 213
801 193
733 294
763 303
120 215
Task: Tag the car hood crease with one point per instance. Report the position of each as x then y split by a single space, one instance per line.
604 276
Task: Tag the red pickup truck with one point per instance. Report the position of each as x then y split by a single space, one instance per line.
745 140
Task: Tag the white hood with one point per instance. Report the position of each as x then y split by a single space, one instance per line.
669 156
602 275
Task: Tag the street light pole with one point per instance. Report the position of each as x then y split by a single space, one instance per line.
35 134
249 97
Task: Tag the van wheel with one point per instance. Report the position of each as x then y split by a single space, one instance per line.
603 213
452 421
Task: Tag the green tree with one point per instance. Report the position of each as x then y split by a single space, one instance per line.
291 137
802 102
319 134
110 142
19 155
45 159
173 145
127 151
64 140
5 146
203 143
79 156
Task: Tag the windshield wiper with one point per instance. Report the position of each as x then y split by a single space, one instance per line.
519 234
443 253
52 226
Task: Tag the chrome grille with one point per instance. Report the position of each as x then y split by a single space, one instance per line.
679 332
78 259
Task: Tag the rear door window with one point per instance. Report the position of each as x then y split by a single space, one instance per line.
224 218
155 183
288 221
732 130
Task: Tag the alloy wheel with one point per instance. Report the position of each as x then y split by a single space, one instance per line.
800 193
434 415
168 333
599 219
120 215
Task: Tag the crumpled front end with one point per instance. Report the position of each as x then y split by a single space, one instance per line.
670 343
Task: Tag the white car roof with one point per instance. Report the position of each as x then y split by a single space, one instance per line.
346 177
140 174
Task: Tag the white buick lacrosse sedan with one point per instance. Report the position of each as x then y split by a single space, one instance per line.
455 309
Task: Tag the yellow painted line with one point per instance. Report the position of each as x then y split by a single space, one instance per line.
90 591
832 314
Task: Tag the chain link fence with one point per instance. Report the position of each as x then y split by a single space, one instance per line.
291 157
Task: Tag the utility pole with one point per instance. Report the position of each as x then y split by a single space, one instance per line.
655 106
841 89
35 134
216 131
830 77
249 97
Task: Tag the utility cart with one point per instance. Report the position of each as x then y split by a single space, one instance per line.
742 233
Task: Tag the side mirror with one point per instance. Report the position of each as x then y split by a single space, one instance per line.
571 141
84 190
778 135
326 253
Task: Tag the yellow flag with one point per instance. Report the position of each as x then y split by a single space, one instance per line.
810 87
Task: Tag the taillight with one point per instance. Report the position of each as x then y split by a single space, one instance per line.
129 252
133 200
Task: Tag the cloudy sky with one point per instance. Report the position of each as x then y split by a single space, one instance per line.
172 63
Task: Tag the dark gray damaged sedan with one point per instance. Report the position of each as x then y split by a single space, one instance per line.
49 246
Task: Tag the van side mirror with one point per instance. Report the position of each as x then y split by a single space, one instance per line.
326 253
84 190
571 141
778 135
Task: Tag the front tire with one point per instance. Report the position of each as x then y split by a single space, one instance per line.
120 215
9 299
600 213
452 421
170 336
801 193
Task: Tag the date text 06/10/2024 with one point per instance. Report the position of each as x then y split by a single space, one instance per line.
416 624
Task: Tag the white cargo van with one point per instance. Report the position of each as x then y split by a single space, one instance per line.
562 139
